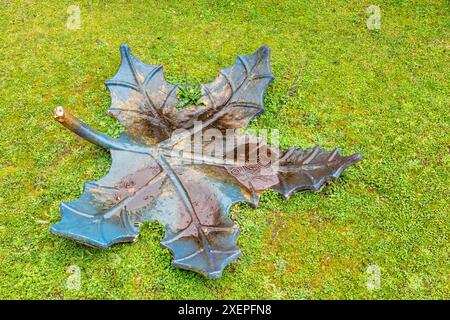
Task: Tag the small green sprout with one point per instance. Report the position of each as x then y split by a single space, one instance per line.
189 94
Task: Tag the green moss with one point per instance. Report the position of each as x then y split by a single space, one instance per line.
382 93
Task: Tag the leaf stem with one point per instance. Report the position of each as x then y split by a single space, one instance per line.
84 131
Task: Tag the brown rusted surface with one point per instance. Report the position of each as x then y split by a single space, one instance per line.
67 119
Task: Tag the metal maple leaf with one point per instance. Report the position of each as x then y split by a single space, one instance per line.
191 194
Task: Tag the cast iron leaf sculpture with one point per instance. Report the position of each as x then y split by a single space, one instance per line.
191 193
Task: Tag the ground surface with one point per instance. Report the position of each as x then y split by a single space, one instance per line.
383 93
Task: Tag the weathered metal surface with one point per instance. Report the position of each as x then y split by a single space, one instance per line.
150 179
